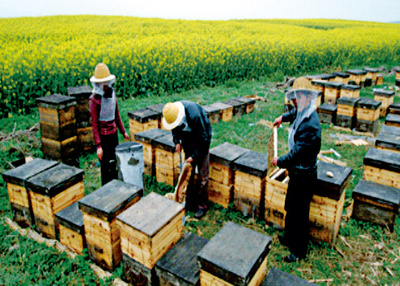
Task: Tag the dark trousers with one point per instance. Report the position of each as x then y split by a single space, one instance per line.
197 190
108 164
297 206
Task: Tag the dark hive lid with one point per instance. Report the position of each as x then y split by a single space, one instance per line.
384 92
221 106
371 70
392 118
388 140
56 101
144 115
356 72
341 74
157 107
226 153
348 100
71 217
351 87
235 103
252 163
211 109
245 100
148 136
278 277
334 84
368 103
165 142
378 192
391 129
328 107
318 82
81 92
323 76
331 187
383 159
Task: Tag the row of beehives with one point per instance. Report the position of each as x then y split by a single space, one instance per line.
117 224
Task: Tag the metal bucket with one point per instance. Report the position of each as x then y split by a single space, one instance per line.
130 163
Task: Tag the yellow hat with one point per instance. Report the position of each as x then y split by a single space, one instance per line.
173 114
302 83
102 74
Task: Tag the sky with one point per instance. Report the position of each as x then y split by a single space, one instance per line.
363 10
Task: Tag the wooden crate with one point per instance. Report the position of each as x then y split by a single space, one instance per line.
71 229
278 277
341 77
327 113
239 107
394 108
149 229
379 79
159 109
346 115
178 267
100 210
392 120
226 110
368 112
17 192
357 77
350 90
249 187
212 113
332 92
386 97
275 196
143 119
58 127
52 191
372 73
249 102
382 167
376 203
234 256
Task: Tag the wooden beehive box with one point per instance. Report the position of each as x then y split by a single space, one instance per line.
146 138
346 115
221 172
327 113
148 230
384 96
82 115
372 73
392 120
368 112
341 77
249 183
17 192
226 110
234 256
249 102
332 92
142 119
239 108
212 113
167 159
350 90
178 267
382 167
159 109
376 203
278 277
52 191
388 139
71 229
357 77
100 210
379 79
394 108
58 128
318 85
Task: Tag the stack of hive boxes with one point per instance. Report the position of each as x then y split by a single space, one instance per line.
142 120
368 112
346 115
386 97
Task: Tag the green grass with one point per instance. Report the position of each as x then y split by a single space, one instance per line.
364 253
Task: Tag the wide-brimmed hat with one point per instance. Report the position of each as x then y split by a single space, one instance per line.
302 85
102 74
173 113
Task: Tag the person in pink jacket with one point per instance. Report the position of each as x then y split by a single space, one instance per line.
106 121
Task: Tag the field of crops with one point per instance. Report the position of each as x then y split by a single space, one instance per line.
45 55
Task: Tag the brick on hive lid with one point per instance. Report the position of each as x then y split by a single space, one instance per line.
226 110
239 107
392 120
148 230
376 203
100 210
212 113
277 277
235 255
18 194
51 191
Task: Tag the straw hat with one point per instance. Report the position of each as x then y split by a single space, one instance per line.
173 114
102 74
302 85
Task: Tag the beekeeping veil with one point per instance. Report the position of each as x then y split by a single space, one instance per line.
306 104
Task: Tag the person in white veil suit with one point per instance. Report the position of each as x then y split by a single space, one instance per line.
301 162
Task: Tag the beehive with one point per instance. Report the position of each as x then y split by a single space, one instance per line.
212 113
278 277
239 107
158 108
327 113
388 139
58 128
221 172
148 230
178 267
346 115
379 79
376 203
392 120
318 85
249 102
332 92
17 192
142 119
394 108
341 77
146 138
82 115
100 210
350 90
384 96
71 229
357 77
52 191
324 76
234 256
382 167
249 183
226 110
368 112
372 74
167 159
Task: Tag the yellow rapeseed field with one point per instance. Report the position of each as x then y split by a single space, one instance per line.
45 55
